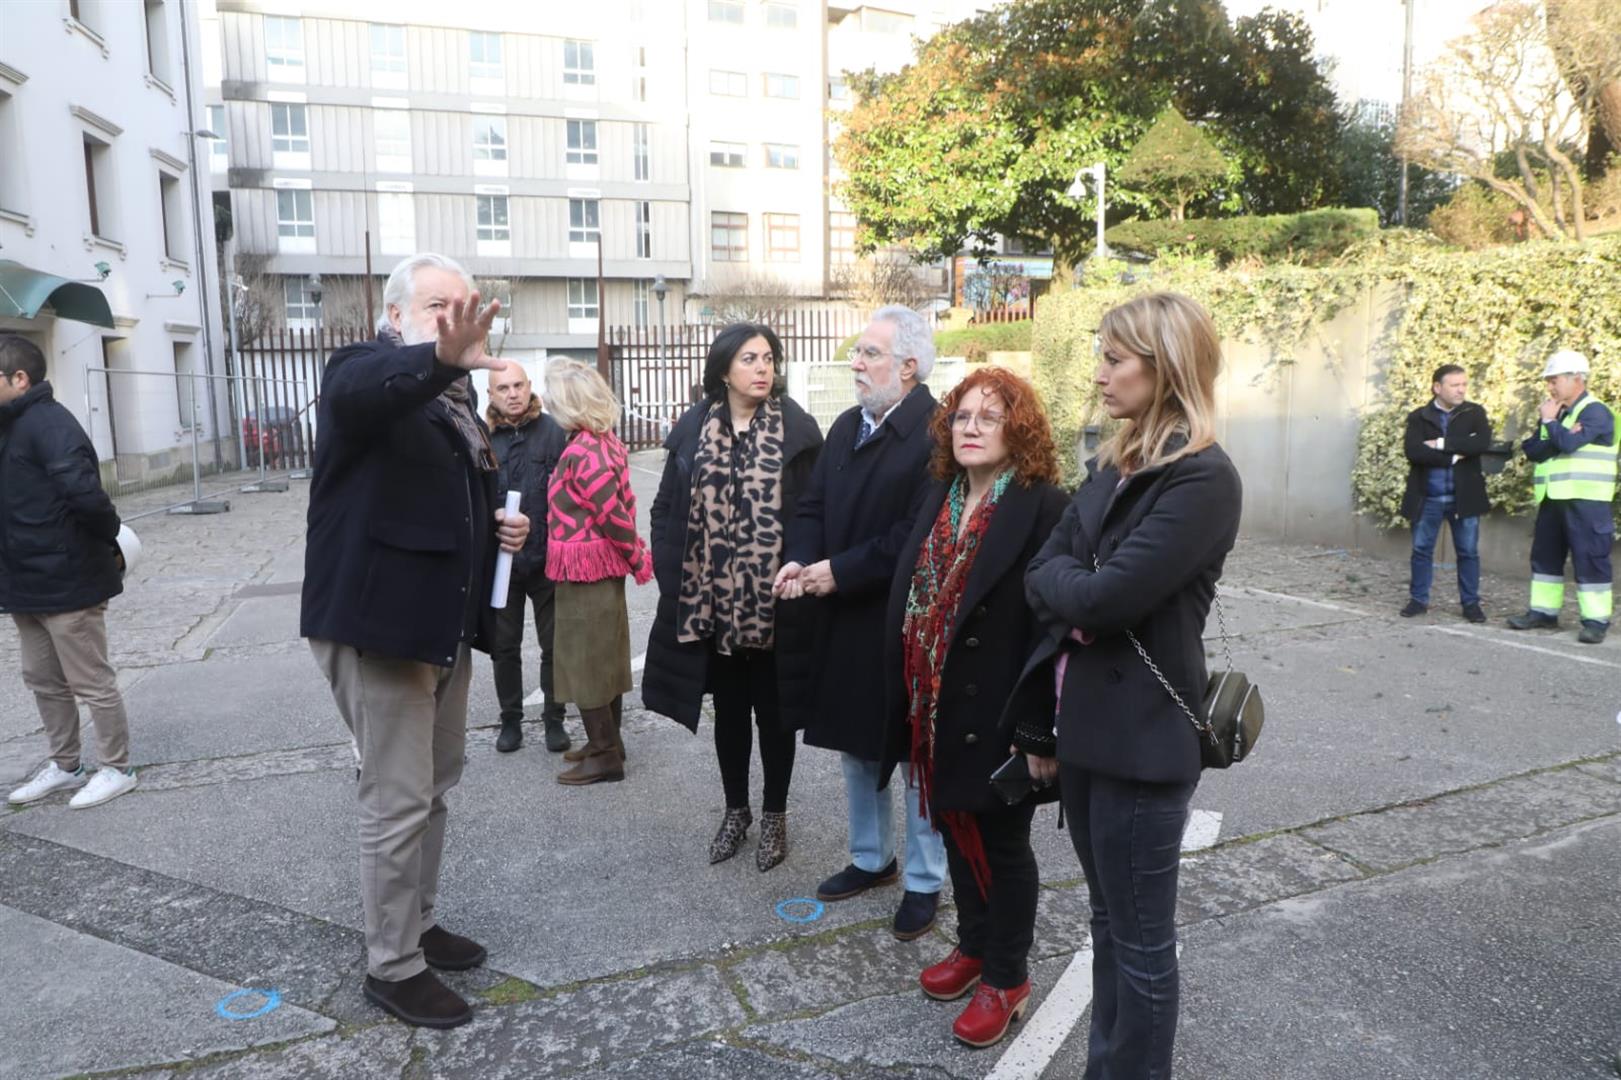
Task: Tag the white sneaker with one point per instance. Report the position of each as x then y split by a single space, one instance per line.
108 783
50 778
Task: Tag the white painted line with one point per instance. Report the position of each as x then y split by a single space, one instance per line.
1051 1024
636 664
1202 829
1525 645
1246 590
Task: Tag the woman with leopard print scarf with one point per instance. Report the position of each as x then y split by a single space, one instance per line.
734 466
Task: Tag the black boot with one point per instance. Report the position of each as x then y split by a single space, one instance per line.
511 736
421 1000
557 739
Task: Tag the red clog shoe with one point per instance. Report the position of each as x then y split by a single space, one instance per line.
952 977
989 1015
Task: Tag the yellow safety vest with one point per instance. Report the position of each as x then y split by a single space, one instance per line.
1586 473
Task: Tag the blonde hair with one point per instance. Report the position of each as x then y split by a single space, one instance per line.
1177 341
578 398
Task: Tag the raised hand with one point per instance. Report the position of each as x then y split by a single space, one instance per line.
462 333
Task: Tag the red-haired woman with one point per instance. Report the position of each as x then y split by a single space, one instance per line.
958 617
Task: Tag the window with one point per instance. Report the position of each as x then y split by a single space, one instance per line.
782 237
582 298
782 86
728 237
184 383
295 221
484 55
644 230
728 83
638 79
397 223
727 154
157 40
781 16
99 186
579 63
301 307
726 11
289 136
284 48
388 56
393 140
489 138
582 142
639 138
11 179
876 21
838 89
219 155
841 237
641 291
781 156
492 218
584 221
174 217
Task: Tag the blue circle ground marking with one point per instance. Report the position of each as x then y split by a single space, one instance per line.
813 910
272 1000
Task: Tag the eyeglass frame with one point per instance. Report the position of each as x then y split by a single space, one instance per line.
854 351
987 421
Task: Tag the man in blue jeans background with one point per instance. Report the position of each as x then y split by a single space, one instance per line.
1443 442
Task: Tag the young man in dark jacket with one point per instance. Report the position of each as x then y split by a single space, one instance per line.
59 565
1444 441
403 530
527 443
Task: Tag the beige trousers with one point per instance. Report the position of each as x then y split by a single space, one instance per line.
64 656
409 720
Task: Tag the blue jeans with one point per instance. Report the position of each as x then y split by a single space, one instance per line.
872 833
1465 538
1128 835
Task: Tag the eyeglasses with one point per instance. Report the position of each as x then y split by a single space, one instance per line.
868 353
989 421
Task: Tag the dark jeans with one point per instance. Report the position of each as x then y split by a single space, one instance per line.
1128 835
744 683
506 649
1465 538
1000 929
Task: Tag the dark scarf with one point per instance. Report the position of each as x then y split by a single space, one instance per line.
938 585
457 400
734 532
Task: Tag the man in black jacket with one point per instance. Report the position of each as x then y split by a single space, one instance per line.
843 545
1444 441
397 571
527 444
59 565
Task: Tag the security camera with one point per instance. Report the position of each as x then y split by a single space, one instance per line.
103 269
179 287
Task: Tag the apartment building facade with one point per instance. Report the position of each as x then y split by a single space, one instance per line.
102 260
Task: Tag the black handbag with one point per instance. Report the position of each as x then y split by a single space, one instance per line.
1232 712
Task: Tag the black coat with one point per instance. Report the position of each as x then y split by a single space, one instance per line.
858 512
1469 433
1162 540
994 634
525 454
58 528
401 542
676 676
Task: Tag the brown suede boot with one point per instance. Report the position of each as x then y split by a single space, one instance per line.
601 760
579 753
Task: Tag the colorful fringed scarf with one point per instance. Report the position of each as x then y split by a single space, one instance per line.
932 602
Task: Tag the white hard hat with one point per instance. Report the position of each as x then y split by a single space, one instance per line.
1566 362
129 545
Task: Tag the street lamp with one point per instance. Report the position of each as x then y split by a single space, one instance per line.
660 288
1077 190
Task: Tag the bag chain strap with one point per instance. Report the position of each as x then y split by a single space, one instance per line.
1202 727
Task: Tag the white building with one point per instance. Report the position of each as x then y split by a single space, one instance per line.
99 197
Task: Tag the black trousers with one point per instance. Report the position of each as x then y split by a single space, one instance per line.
745 683
506 650
998 929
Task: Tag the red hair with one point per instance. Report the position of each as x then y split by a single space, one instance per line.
1028 435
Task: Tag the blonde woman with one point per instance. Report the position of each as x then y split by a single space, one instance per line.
1139 550
591 546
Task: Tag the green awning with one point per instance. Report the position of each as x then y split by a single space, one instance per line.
23 291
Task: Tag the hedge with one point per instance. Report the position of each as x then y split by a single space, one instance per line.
1498 313
1311 238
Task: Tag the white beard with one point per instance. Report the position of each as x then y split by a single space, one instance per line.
412 336
877 399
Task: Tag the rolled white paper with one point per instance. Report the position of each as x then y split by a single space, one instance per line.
503 561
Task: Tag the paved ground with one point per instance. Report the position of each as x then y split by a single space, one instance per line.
1415 876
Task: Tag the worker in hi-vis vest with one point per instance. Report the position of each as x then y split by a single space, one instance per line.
1575 453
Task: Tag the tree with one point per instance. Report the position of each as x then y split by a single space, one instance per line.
879 279
1502 89
1370 172
1173 162
1585 36
751 297
983 133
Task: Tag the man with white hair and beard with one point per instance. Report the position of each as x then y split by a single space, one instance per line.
403 533
842 547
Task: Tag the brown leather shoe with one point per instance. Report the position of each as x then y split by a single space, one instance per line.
422 1000
450 952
